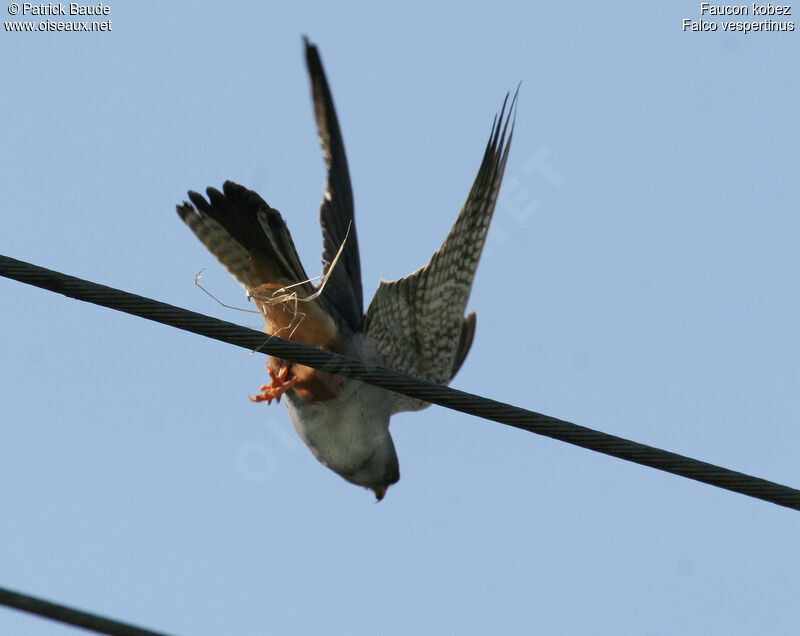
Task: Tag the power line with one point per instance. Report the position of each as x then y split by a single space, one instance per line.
70 616
401 383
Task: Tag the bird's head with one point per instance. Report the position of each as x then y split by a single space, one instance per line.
379 472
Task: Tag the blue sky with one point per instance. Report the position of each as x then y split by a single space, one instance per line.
640 278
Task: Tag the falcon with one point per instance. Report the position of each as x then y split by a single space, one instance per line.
415 324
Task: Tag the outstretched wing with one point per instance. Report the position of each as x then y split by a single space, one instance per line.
417 323
343 287
253 243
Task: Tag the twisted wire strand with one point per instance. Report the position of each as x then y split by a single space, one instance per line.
70 616
408 385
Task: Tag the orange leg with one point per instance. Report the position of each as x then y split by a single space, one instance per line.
275 389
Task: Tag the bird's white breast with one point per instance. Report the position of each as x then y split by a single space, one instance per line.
347 431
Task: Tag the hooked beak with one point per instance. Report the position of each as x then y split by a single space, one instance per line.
380 492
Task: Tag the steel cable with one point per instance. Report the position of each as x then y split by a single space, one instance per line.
394 381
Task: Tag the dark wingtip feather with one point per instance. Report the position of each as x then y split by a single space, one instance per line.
198 200
501 134
313 60
510 118
184 210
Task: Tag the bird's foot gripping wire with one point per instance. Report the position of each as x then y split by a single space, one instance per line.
275 389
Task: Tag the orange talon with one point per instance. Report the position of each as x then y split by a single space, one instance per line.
275 389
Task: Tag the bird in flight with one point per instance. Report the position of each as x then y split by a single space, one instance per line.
414 324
